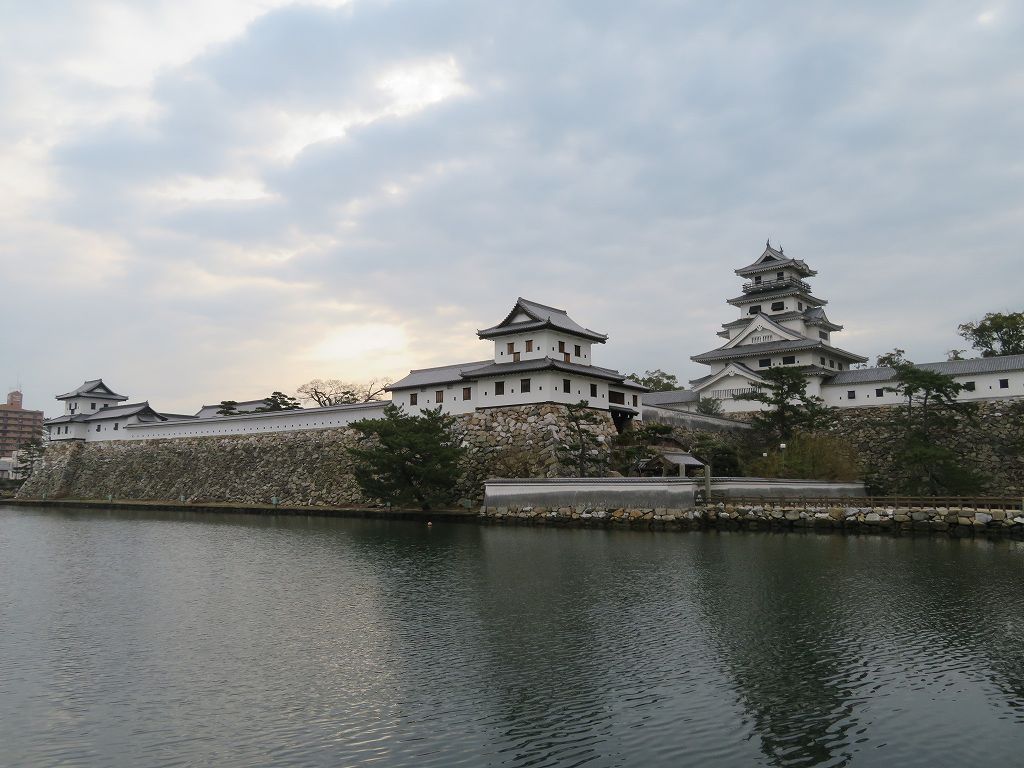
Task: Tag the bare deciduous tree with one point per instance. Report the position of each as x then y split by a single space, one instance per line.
325 392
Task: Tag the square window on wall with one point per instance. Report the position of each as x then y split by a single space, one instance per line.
879 393
851 394
524 385
764 363
1004 383
968 386
789 360
778 306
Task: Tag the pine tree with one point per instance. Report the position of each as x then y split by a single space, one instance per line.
584 453
407 460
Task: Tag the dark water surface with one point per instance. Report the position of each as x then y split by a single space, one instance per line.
170 639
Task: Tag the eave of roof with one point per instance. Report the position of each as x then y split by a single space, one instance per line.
442 374
542 316
752 350
85 389
973 366
671 396
547 363
765 296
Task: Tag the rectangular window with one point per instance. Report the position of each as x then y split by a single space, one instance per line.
515 357
413 398
831 363
822 360
439 396
467 393
779 275
635 401
619 398
93 406
524 385
789 360
511 347
799 305
765 363
755 309
529 345
576 350
561 347
567 386
778 306
116 425
97 427
879 393
499 387
968 386
1004 383
593 390
757 280
851 394
565 357
822 335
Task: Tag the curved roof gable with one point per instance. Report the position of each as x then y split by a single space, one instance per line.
93 388
529 315
774 258
761 322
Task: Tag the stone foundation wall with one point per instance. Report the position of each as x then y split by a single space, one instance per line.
303 468
988 439
957 522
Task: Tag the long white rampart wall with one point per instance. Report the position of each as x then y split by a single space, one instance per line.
253 423
987 386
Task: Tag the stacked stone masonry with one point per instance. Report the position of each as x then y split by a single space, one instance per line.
307 468
946 521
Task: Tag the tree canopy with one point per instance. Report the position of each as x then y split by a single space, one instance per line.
584 453
327 392
927 464
997 333
278 401
408 460
657 380
790 407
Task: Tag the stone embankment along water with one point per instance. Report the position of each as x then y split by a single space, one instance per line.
949 521
307 468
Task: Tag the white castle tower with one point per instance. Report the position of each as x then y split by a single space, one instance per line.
781 323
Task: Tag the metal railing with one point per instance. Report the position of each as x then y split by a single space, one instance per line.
723 394
784 282
904 502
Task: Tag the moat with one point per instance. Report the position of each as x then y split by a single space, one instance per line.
134 638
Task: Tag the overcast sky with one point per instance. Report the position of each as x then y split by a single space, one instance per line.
213 200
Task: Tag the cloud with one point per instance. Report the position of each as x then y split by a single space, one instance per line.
242 196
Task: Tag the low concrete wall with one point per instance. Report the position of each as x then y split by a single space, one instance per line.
665 492
602 491
772 488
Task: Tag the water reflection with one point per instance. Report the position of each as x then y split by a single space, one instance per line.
829 640
169 638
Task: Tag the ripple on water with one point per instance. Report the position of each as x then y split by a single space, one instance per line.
177 640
